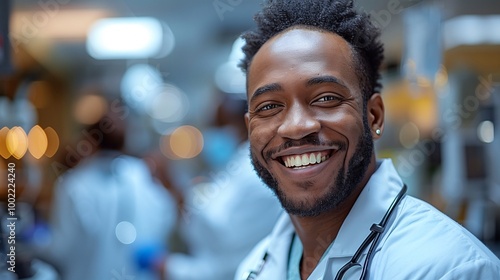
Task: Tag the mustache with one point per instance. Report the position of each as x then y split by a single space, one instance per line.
312 139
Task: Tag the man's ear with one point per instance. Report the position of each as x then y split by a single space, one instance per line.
247 119
375 110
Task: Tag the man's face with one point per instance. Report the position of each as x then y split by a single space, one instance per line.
310 140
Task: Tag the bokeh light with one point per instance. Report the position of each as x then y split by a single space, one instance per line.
129 38
170 105
4 152
409 135
125 232
139 85
486 132
17 142
52 142
37 142
228 76
183 143
90 108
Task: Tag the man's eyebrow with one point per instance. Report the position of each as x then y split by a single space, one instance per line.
264 89
325 79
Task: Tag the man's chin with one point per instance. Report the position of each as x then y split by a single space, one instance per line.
307 204
301 208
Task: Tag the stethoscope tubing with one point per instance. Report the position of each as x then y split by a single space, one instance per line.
376 231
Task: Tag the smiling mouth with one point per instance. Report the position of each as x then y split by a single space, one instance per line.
305 160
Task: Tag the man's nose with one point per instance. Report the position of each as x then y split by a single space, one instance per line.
298 123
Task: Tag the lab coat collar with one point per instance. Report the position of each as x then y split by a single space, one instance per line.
368 209
280 241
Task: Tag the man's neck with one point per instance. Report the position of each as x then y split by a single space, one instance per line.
317 233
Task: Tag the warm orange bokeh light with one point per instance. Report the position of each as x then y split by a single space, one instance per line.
4 152
52 142
17 142
185 142
37 142
90 108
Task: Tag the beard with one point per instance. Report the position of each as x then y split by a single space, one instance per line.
345 182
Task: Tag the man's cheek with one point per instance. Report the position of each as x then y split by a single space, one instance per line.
260 132
254 137
256 140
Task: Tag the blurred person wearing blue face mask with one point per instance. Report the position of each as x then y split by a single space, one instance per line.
226 216
221 140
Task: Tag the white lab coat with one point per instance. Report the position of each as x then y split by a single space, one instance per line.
90 201
419 241
226 218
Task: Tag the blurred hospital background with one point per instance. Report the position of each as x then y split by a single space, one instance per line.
166 70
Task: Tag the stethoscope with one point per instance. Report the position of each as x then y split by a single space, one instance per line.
373 238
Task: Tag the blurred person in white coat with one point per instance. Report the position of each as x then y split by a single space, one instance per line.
106 209
227 216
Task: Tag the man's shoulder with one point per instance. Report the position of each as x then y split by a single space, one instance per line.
428 226
426 239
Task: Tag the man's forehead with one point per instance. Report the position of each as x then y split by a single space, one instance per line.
302 43
315 52
304 40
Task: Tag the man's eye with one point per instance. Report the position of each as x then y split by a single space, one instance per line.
328 98
267 107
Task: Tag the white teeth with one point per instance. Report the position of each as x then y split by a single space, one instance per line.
312 159
303 160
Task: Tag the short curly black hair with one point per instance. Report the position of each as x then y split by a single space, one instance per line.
337 16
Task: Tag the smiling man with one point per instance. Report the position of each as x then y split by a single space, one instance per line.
314 111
